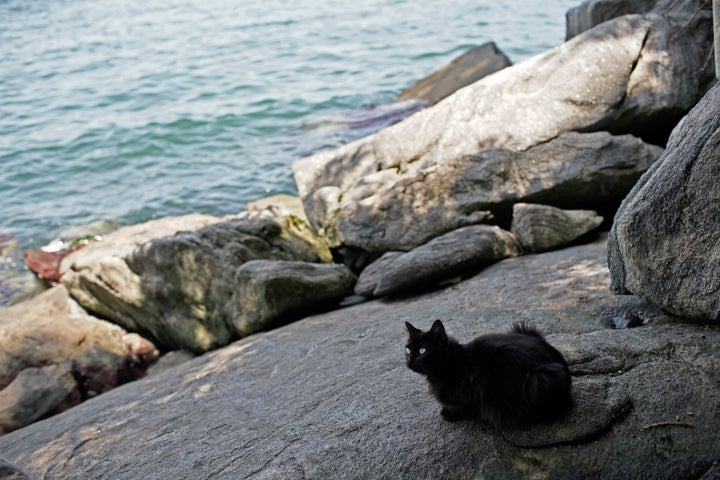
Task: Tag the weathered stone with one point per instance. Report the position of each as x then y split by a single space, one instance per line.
330 396
399 209
282 205
54 355
463 251
673 73
99 278
594 12
664 244
268 291
369 277
11 472
636 73
468 68
539 228
173 279
35 393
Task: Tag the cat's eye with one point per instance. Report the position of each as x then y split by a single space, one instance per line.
422 350
407 350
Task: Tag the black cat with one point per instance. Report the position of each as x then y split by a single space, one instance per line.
506 380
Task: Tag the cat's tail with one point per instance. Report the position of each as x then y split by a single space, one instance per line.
526 329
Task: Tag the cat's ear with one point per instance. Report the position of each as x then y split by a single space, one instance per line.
411 330
438 329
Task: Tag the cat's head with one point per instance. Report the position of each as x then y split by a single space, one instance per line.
425 348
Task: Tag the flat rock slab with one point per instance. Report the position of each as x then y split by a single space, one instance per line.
330 396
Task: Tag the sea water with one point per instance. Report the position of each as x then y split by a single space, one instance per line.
124 111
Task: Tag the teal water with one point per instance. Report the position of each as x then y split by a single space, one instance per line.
123 111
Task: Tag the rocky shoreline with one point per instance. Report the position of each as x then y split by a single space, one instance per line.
437 216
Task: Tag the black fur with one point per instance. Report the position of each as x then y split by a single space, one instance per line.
506 380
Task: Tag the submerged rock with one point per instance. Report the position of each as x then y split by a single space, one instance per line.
664 241
540 228
471 66
16 283
53 355
330 394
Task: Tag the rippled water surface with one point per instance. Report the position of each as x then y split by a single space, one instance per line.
122 111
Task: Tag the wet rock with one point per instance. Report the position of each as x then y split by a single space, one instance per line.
663 243
173 279
45 265
16 283
471 66
539 228
45 262
460 252
54 355
401 208
269 291
7 241
330 394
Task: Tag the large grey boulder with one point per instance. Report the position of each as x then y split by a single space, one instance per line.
54 355
271 290
403 206
330 397
173 279
471 66
664 241
539 228
636 73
